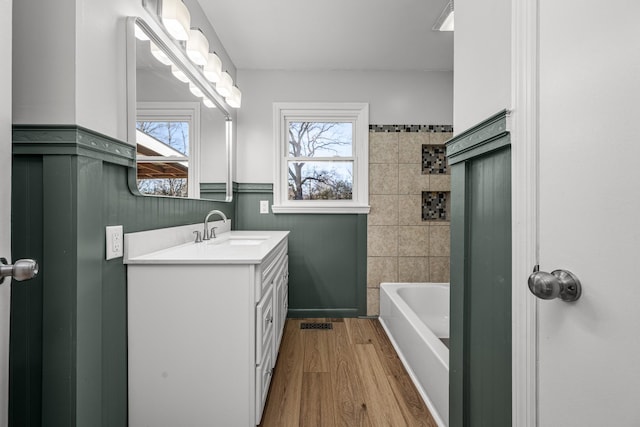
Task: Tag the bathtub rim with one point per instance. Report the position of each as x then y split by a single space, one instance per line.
440 351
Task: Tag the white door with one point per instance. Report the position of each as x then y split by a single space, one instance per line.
5 198
589 223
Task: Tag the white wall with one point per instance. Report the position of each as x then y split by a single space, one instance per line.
43 61
482 61
411 97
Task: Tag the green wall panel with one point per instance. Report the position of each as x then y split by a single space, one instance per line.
480 346
25 361
327 256
489 289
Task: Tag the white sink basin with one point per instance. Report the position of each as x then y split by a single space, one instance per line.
239 240
245 242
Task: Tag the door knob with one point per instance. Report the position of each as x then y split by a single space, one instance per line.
22 269
558 283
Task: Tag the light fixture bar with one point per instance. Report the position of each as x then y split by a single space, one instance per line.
158 35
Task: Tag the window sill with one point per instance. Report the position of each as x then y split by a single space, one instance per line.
354 209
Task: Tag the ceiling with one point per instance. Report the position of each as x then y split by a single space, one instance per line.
332 34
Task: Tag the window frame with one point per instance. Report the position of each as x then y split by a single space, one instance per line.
355 113
184 112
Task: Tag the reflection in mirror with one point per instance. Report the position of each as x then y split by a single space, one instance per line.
181 141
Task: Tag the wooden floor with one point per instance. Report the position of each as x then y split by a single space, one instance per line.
348 376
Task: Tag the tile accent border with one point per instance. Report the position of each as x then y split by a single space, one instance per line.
410 128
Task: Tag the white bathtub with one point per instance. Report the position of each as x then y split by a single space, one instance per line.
415 317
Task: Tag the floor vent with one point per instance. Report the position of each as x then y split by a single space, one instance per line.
326 325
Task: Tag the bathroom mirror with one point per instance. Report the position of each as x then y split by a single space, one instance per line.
180 126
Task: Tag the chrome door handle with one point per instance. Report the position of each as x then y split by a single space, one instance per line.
558 283
23 269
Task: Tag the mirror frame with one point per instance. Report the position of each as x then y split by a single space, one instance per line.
157 34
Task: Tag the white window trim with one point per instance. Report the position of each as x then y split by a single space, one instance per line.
184 111
356 112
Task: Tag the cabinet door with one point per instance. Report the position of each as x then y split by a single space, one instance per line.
264 327
264 372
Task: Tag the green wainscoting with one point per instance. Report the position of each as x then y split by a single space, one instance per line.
68 361
327 255
68 356
480 345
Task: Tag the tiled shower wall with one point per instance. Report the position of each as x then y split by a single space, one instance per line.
401 245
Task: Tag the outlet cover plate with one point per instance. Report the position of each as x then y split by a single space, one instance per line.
264 206
115 242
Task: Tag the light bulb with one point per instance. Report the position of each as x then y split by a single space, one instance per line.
176 19
198 47
235 99
160 55
213 69
196 90
208 103
179 74
223 87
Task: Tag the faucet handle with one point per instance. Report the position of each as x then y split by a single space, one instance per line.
213 232
198 237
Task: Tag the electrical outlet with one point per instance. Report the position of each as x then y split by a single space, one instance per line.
114 242
264 206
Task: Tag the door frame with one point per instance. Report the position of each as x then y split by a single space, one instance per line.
523 124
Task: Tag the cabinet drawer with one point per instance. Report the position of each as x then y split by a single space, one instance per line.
270 268
264 324
264 372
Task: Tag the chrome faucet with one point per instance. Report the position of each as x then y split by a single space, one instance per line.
205 234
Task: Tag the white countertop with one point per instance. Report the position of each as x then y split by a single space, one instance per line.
232 247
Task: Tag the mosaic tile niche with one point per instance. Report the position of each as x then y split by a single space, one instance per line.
408 226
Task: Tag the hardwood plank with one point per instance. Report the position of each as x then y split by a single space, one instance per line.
411 405
384 409
360 330
316 350
348 391
283 403
316 409
391 361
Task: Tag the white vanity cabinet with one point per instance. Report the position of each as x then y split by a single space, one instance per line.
204 337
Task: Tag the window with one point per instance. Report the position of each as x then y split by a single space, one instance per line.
167 140
321 158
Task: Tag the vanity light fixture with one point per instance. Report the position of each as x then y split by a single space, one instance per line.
445 20
198 47
179 74
196 90
223 87
235 99
213 69
208 103
160 55
176 18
